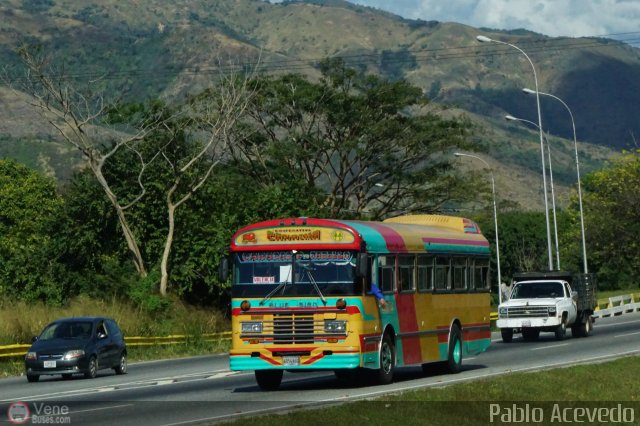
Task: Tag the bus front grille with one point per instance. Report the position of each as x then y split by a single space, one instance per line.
293 328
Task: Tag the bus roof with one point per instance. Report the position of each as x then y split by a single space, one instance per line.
404 234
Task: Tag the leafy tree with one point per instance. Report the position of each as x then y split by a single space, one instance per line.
611 204
30 219
363 146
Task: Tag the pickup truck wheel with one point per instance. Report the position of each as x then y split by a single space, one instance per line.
561 331
586 327
530 334
507 334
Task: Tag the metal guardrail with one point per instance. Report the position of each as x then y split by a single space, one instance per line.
18 350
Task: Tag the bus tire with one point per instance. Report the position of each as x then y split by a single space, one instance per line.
384 375
268 380
454 356
507 334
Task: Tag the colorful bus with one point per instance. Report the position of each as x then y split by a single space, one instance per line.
301 295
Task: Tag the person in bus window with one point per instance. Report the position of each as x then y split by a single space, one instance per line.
375 290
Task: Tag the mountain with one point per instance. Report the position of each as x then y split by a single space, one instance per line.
166 48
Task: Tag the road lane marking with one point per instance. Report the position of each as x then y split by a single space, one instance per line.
627 334
550 347
88 410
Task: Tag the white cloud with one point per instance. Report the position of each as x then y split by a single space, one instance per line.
573 18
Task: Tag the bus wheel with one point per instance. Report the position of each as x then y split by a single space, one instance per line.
269 380
454 358
387 360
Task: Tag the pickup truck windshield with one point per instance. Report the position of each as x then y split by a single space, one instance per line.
537 290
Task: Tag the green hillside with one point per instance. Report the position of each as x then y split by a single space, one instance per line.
166 48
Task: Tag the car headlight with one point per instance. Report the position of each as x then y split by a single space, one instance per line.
552 309
335 326
31 356
251 327
502 311
76 353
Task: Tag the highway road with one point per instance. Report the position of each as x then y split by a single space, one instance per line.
202 389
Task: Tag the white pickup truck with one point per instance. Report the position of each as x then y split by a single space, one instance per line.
548 301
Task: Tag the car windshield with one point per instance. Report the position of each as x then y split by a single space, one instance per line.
67 330
537 290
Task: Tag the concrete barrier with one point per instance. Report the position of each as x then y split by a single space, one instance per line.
617 305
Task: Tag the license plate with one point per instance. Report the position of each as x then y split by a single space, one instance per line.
49 364
526 323
291 360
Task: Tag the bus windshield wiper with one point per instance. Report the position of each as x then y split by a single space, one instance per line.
274 291
313 281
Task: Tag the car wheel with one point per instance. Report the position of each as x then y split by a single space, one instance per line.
269 380
92 369
121 368
33 378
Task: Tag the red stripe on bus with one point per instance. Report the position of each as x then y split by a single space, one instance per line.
408 321
313 359
393 239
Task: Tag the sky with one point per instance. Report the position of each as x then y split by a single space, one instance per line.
573 18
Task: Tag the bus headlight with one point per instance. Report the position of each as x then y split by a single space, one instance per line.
335 326
251 327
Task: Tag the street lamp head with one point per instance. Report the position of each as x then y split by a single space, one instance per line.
510 118
483 39
529 91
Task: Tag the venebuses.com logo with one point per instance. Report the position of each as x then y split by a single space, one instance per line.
19 413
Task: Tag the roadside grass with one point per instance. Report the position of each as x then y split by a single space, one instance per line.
19 322
592 386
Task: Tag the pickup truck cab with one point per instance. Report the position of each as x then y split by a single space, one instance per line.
547 304
536 306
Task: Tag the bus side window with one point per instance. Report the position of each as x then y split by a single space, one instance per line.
387 273
442 278
425 273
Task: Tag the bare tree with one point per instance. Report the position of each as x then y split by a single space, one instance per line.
79 117
207 120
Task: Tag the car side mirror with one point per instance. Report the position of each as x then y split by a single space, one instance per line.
101 336
34 338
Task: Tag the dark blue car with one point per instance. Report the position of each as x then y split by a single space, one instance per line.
79 345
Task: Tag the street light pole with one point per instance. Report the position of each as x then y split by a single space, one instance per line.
575 146
495 218
485 39
553 195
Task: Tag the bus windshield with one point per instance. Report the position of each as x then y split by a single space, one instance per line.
299 273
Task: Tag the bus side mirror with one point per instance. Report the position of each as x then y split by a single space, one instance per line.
223 269
361 265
